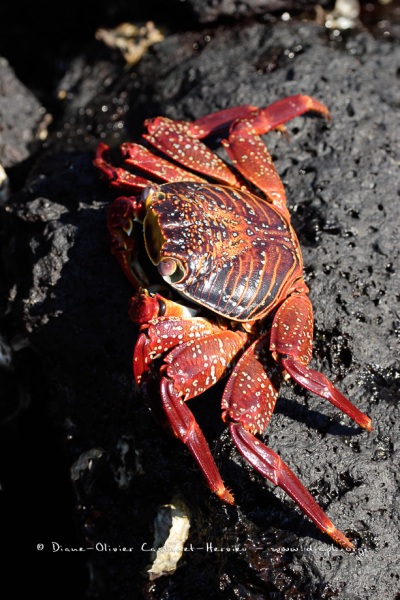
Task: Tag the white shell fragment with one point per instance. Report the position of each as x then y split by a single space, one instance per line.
4 186
171 526
345 15
131 40
85 462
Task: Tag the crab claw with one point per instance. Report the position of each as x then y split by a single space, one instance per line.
116 176
145 307
122 214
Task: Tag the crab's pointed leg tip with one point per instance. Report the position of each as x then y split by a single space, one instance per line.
366 424
340 539
225 495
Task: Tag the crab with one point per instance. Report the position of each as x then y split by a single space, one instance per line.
220 238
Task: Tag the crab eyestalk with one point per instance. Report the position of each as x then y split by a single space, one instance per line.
171 270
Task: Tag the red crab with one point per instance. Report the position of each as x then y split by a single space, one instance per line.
222 238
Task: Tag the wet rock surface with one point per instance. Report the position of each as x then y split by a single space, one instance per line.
65 321
17 103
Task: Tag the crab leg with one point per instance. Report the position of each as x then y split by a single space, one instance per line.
180 141
138 155
157 338
116 176
257 121
250 156
190 369
172 138
218 121
278 113
249 153
248 402
186 428
271 466
291 343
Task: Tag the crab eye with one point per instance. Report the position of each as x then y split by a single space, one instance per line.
167 267
171 270
150 193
